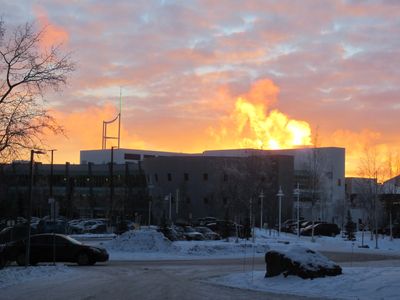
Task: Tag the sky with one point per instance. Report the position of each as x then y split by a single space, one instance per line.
202 75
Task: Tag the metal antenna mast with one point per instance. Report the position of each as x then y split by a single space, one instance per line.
105 137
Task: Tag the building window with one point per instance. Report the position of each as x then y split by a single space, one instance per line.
225 177
205 200
131 156
205 176
156 177
169 177
188 200
224 200
186 176
339 182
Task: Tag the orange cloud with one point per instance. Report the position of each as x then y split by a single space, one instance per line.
251 125
53 34
83 130
368 145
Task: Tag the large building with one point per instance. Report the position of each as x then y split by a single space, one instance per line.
319 172
220 183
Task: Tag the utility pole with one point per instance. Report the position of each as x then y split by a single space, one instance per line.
177 203
52 203
297 193
170 207
111 213
29 212
280 195
262 208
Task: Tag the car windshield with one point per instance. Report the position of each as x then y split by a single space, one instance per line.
72 240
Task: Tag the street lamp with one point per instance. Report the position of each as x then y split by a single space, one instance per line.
51 199
297 193
261 209
28 241
280 195
111 212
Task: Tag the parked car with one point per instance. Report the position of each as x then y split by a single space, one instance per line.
208 233
290 225
14 233
49 226
172 234
187 233
326 229
192 235
227 228
46 247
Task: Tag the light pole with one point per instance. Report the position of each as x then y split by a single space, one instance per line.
170 207
297 193
52 203
28 241
261 209
280 195
51 199
111 213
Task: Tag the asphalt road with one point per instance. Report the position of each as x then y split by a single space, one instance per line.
173 279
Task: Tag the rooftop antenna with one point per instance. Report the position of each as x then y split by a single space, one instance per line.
105 137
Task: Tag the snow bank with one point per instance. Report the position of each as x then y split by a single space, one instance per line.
220 248
14 275
149 243
144 240
355 283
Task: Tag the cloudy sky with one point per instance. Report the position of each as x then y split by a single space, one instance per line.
198 75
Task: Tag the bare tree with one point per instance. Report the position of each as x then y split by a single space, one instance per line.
242 181
373 172
315 172
26 73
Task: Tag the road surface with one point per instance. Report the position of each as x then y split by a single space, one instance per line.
174 279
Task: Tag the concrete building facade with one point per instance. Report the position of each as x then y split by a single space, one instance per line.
221 187
320 173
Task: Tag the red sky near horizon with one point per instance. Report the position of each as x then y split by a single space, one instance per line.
199 75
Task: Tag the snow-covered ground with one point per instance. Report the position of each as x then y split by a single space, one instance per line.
354 283
374 282
14 275
149 244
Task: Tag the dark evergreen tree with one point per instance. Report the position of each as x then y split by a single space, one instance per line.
350 227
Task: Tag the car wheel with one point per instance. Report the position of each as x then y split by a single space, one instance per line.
83 259
21 259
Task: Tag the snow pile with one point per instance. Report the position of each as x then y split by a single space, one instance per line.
15 275
144 240
355 283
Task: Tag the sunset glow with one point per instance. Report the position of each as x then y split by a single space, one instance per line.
210 75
